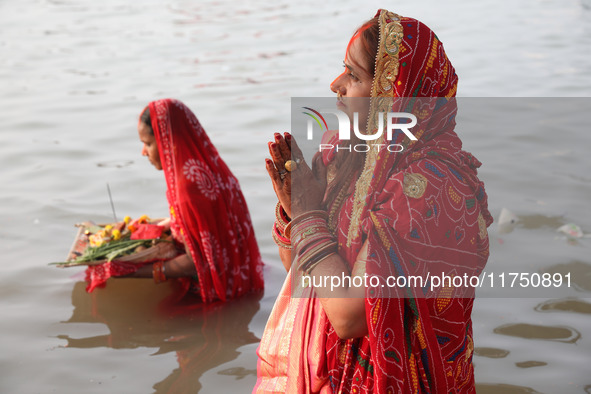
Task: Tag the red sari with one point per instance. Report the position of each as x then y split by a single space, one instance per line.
208 211
421 210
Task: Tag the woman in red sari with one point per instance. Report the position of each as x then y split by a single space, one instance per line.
415 211
208 212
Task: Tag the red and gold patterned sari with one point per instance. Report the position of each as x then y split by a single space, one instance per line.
418 211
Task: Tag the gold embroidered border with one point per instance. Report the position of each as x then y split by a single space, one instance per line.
382 93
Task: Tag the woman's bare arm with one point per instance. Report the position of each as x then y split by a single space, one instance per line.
344 306
178 267
285 255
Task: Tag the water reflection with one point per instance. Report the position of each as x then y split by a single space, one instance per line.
565 305
580 273
536 221
534 331
490 352
138 313
530 364
115 163
488 388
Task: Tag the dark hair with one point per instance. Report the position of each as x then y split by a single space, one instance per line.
369 33
145 119
349 165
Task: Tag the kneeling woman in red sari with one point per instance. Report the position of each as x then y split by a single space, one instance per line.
381 214
207 209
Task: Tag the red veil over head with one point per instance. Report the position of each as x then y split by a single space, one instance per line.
418 210
421 211
208 211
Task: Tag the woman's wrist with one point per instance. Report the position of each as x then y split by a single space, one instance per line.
280 226
281 217
159 272
312 240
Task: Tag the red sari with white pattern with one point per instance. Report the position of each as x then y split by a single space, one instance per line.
208 211
422 211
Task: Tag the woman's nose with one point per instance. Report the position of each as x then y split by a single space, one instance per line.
337 85
144 150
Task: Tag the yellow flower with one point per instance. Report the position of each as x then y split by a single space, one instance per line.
96 240
144 219
127 219
116 234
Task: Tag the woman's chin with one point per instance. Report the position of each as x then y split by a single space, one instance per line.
157 166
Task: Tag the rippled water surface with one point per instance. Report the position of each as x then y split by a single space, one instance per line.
74 75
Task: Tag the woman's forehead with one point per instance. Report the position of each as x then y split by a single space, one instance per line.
355 54
144 131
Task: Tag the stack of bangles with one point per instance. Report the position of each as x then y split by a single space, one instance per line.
281 228
311 237
158 272
312 240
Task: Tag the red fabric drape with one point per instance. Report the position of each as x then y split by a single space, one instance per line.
208 211
424 211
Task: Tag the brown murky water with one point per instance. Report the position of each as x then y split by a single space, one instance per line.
138 315
74 77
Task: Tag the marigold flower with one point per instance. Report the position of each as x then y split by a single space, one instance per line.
96 240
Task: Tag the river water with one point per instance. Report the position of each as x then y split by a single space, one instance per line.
74 76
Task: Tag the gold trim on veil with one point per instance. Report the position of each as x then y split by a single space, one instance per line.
382 100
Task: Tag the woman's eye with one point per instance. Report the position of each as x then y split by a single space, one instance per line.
352 76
